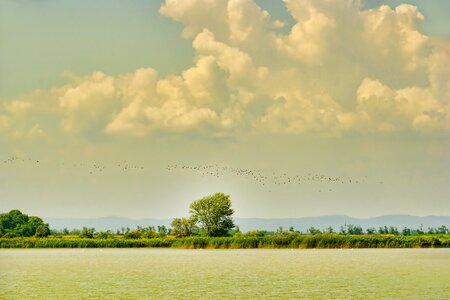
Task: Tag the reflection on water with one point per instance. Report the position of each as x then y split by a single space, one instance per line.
209 274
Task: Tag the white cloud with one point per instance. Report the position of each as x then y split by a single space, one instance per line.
88 103
307 40
163 104
387 110
338 69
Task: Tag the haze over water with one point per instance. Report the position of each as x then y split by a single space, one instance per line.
216 274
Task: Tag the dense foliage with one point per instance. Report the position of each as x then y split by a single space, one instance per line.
214 214
323 241
17 224
210 225
184 227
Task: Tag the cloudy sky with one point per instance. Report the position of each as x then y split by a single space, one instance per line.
294 108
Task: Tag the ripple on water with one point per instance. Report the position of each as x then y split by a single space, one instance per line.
247 274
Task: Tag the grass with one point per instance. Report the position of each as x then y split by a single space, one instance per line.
321 241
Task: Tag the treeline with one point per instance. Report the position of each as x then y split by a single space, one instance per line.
138 233
294 240
358 230
17 224
152 232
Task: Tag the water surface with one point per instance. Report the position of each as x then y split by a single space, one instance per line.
220 274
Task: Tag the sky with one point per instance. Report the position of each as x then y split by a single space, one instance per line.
294 108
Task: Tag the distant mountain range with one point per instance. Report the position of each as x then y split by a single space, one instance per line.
246 224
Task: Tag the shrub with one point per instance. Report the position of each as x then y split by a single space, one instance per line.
134 234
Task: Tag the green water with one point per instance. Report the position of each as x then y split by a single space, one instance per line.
224 274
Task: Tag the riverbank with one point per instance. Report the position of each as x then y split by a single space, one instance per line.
322 241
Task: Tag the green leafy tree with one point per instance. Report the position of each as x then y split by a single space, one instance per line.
163 231
354 229
183 227
236 231
214 213
329 229
371 230
17 217
150 233
133 234
15 223
42 231
442 230
393 230
35 223
383 230
87 233
420 230
406 231
75 232
256 233
104 235
312 230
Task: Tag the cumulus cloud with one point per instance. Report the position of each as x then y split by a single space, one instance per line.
386 109
89 103
338 69
14 113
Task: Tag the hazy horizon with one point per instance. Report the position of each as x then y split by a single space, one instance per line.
238 217
294 108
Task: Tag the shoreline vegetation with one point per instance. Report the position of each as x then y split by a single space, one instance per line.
210 226
291 241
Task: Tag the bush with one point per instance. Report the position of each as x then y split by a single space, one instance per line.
15 223
134 234
41 231
87 233
273 241
150 234
104 235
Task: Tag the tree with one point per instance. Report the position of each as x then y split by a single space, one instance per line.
280 230
15 223
371 230
329 230
442 230
87 233
104 235
163 231
383 230
354 229
312 230
214 213
256 233
150 233
393 230
35 223
182 227
133 234
41 231
406 231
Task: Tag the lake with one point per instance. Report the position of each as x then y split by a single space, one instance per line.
222 274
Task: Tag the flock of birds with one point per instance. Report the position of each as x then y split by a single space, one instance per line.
93 167
257 177
267 179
